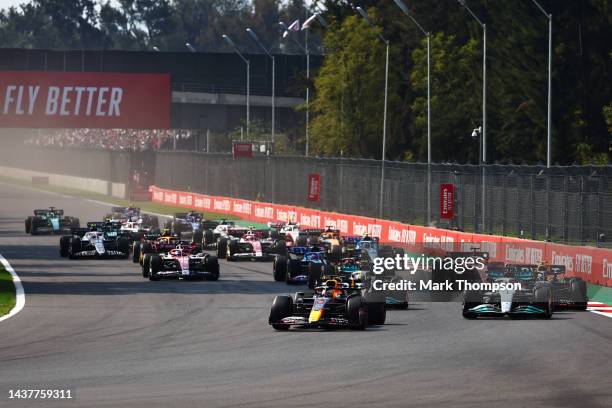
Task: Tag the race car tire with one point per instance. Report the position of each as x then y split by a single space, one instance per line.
75 222
123 245
311 241
186 235
377 313
232 249
145 249
168 225
28 225
197 237
543 299
578 293
74 247
64 244
279 268
314 274
211 263
301 241
280 247
155 263
274 234
356 313
402 305
281 307
145 264
209 238
335 255
222 248
136 251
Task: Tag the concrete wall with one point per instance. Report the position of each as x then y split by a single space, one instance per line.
98 186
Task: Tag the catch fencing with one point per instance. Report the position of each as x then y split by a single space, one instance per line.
562 204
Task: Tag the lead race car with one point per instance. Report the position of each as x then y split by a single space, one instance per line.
50 221
331 305
184 263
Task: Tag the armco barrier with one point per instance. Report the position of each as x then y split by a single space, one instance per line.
594 265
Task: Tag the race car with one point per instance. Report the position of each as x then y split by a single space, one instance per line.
294 235
225 234
50 221
332 242
301 264
133 215
96 243
333 304
212 235
253 245
190 225
182 262
533 299
568 292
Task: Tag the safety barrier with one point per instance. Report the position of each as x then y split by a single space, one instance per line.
594 265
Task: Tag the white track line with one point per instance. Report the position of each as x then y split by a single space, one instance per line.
19 293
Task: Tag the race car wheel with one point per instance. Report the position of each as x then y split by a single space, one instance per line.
281 307
212 266
314 274
543 299
197 237
404 296
75 222
136 251
209 238
232 250
145 249
377 313
74 247
301 241
145 264
222 248
64 244
335 255
280 247
123 245
154 220
356 313
28 225
279 268
155 263
578 293
274 234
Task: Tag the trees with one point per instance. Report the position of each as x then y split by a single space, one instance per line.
349 93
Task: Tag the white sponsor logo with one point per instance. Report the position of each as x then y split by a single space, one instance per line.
560 259
222 205
280 215
584 264
170 197
185 199
607 269
64 101
438 241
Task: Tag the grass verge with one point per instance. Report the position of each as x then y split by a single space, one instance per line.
7 292
598 293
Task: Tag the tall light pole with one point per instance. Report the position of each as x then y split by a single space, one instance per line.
549 131
404 9
484 106
365 16
306 52
256 39
248 83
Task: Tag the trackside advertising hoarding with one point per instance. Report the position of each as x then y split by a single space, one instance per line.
84 100
594 265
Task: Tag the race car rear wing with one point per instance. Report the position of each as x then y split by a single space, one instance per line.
79 232
311 232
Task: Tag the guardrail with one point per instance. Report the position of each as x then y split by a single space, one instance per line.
594 265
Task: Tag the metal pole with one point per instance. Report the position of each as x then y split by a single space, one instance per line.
307 98
382 172
428 129
248 99
273 95
484 120
549 138
207 141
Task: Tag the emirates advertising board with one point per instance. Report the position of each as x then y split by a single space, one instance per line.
84 100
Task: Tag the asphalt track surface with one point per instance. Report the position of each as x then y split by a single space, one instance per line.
118 340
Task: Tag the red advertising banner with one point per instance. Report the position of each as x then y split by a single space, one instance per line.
242 149
84 100
594 265
314 187
447 201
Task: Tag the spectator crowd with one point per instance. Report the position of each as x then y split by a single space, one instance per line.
112 139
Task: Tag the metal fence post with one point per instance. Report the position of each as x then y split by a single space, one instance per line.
532 206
